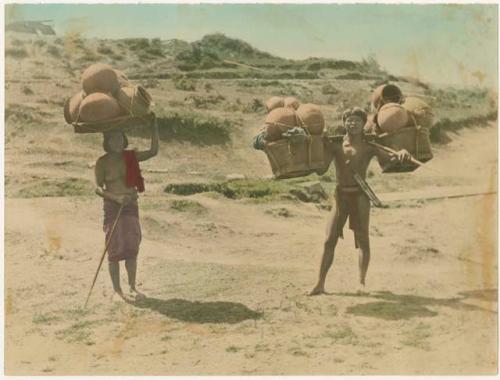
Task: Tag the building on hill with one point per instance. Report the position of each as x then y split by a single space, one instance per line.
32 27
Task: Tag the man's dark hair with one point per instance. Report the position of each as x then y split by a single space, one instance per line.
354 111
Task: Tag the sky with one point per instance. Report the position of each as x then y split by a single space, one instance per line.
441 43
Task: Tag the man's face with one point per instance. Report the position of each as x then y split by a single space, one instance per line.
354 124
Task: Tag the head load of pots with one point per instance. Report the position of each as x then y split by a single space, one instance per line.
106 101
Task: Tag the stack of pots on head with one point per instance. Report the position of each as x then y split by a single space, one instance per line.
287 113
106 96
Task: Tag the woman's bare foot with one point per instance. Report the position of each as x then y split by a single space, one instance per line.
317 291
117 295
137 295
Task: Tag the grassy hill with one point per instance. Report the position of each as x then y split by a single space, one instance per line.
208 95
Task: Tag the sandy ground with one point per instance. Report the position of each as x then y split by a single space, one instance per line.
226 286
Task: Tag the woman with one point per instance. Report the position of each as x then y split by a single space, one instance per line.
351 159
118 180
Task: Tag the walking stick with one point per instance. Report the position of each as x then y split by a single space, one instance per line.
104 253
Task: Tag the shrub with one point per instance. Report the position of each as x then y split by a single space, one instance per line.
57 188
184 84
17 113
329 89
191 127
208 87
116 57
105 50
16 52
27 90
205 101
54 51
156 51
39 43
316 66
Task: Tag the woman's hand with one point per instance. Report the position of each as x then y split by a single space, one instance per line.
126 199
154 121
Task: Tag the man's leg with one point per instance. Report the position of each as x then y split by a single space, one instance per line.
114 272
362 237
335 224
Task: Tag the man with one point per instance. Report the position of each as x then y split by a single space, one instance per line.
351 159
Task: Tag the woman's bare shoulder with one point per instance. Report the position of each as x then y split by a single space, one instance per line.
101 160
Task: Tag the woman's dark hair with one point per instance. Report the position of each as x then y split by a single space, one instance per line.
105 142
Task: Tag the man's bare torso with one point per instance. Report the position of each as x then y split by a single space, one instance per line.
349 158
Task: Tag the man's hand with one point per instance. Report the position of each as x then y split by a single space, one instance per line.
402 156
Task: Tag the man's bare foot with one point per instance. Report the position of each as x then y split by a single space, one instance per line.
362 290
317 291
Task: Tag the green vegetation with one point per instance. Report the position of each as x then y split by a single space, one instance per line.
418 337
54 51
245 188
26 90
191 127
204 102
64 187
447 124
342 334
329 89
78 332
390 310
184 84
22 114
233 349
45 318
184 205
279 212
16 52
105 50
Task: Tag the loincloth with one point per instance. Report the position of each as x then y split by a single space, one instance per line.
127 235
346 198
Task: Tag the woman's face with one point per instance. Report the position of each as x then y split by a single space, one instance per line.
354 124
116 142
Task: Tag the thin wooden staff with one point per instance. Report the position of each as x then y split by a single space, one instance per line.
104 253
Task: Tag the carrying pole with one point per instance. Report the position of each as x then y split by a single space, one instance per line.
390 150
412 159
103 254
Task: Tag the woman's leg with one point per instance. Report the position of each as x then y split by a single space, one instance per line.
131 266
362 237
335 224
114 271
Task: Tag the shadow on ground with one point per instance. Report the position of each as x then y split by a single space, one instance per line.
200 312
404 306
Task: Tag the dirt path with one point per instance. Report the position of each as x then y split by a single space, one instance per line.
226 286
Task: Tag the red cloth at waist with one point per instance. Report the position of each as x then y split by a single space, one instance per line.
133 176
